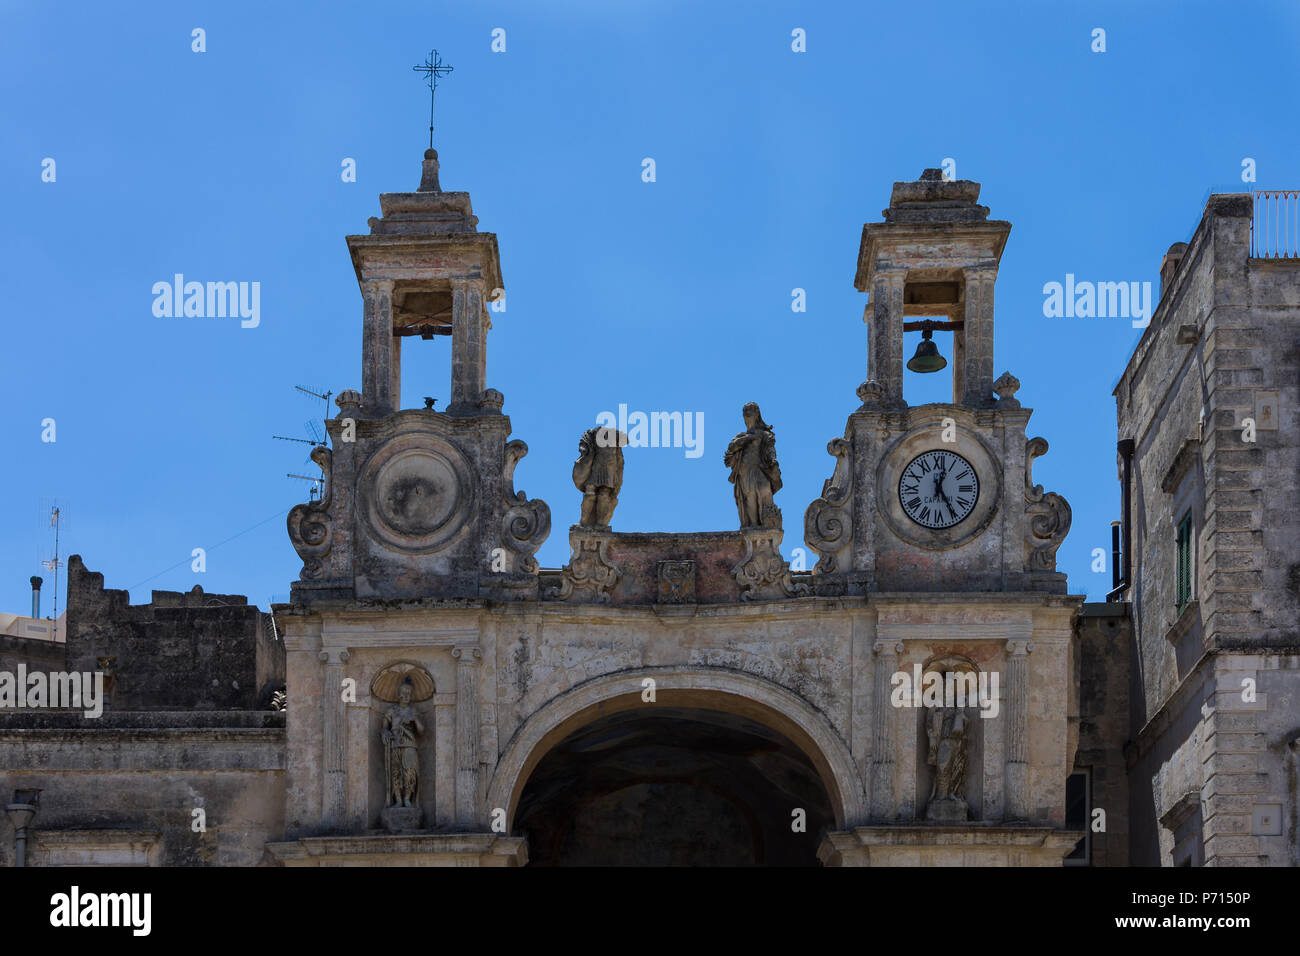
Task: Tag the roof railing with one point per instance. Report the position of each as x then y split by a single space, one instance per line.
1275 225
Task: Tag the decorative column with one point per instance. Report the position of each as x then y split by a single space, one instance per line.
334 797
977 334
445 760
1017 749
395 372
467 757
883 731
885 331
468 346
377 373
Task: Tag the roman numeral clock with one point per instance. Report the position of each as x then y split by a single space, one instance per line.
937 496
938 489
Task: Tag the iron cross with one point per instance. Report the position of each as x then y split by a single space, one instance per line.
432 68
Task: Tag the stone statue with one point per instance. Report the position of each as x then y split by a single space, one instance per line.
598 474
947 734
751 456
401 760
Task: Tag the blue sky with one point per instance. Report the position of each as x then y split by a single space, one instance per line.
672 295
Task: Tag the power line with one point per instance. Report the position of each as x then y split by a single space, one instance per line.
278 514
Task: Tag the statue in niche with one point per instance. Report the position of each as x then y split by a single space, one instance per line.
751 456
946 730
401 760
598 474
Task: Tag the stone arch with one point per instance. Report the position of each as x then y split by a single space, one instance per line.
702 687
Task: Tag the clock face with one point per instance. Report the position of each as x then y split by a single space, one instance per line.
938 489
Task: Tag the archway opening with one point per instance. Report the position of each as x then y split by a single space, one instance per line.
674 786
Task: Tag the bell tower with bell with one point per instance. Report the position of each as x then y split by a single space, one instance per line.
934 260
937 496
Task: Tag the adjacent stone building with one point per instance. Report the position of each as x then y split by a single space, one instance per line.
930 693
1210 447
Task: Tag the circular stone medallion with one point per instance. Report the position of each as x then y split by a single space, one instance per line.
417 497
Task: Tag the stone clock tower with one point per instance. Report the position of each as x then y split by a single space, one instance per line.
935 497
933 516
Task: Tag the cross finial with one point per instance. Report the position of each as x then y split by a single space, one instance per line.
432 68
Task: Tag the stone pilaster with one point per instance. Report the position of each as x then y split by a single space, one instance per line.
1017 745
377 366
468 659
885 334
468 346
333 721
976 385
883 730
445 761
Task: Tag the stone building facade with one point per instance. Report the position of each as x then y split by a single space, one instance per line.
187 725
690 698
680 697
1209 434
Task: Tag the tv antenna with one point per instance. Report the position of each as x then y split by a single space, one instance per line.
53 564
318 436
315 482
316 432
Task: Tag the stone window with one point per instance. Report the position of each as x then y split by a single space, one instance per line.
1078 800
1183 580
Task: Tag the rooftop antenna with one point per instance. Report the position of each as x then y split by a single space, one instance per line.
315 486
53 564
316 432
317 393
432 68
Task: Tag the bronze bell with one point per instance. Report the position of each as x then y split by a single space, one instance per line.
927 357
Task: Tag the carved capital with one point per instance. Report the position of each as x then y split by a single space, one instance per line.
372 287
467 654
887 648
1019 648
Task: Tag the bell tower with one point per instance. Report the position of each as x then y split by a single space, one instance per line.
935 256
425 270
420 503
940 496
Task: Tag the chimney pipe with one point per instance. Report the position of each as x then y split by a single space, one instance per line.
36 596
1115 575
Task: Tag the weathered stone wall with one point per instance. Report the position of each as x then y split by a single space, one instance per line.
186 726
1214 764
140 776
1102 657
507 677
182 651
36 655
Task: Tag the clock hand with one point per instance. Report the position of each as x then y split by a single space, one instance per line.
938 490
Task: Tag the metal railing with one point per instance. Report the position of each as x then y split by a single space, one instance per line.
1275 225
